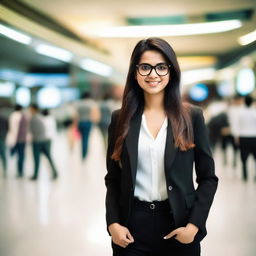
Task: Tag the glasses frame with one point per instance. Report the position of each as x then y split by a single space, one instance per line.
153 67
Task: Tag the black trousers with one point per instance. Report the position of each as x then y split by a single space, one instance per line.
84 128
39 148
148 224
247 147
3 153
19 148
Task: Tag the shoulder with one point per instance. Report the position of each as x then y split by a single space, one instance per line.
193 110
15 115
196 111
115 114
196 115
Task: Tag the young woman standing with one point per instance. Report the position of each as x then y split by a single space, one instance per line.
152 206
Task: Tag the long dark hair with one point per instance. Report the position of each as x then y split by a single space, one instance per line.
133 98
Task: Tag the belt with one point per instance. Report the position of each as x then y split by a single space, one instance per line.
151 206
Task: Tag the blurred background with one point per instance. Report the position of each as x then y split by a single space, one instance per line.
69 59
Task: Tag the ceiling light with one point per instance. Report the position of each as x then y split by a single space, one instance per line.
54 52
248 38
15 35
96 67
170 30
197 75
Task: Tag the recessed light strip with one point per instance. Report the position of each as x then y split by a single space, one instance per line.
248 38
15 35
169 30
197 75
96 67
54 52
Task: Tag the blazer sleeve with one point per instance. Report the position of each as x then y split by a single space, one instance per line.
205 173
112 178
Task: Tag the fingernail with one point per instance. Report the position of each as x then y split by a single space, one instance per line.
165 237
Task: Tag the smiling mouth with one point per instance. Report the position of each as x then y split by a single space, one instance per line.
152 83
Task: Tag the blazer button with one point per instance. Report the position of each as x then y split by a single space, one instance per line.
170 188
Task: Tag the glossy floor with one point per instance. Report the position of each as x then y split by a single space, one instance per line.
67 217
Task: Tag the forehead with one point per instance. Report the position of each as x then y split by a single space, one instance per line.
152 57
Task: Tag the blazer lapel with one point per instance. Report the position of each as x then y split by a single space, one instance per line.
170 150
131 141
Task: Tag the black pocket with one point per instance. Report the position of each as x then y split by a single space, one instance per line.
180 244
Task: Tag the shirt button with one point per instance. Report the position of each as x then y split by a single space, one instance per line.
170 188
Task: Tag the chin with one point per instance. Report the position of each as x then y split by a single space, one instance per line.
153 92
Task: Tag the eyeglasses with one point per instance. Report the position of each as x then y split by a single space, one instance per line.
162 69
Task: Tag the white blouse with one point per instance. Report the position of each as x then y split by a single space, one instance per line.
245 122
150 179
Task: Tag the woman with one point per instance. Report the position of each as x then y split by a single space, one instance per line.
87 113
152 206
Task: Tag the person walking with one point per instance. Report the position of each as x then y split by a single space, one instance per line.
87 113
40 142
152 205
106 108
4 126
17 136
50 125
245 133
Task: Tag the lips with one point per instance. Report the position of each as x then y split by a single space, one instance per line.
152 83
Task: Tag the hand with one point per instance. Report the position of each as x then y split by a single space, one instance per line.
120 235
184 235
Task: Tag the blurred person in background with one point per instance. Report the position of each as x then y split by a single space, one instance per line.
50 125
4 126
219 130
227 139
234 107
40 141
107 106
70 124
216 125
152 206
245 133
88 112
17 136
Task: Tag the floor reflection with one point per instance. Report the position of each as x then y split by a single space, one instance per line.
67 216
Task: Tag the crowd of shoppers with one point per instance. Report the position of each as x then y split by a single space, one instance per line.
22 127
235 125
231 125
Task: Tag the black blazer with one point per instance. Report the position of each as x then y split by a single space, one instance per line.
188 204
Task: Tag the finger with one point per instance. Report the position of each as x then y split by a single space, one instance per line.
124 244
130 237
127 241
173 233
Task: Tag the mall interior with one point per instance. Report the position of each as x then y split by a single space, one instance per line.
55 53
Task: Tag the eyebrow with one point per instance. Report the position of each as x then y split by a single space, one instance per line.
153 65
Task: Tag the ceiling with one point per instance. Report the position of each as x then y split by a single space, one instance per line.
78 17
16 56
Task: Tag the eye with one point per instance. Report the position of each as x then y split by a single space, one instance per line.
162 67
145 67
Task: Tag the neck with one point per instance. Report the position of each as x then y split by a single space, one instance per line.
154 102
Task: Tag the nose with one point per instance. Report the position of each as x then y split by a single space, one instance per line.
153 73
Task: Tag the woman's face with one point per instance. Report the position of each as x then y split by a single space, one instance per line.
152 83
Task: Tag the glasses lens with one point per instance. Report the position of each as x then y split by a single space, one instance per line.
144 69
162 69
